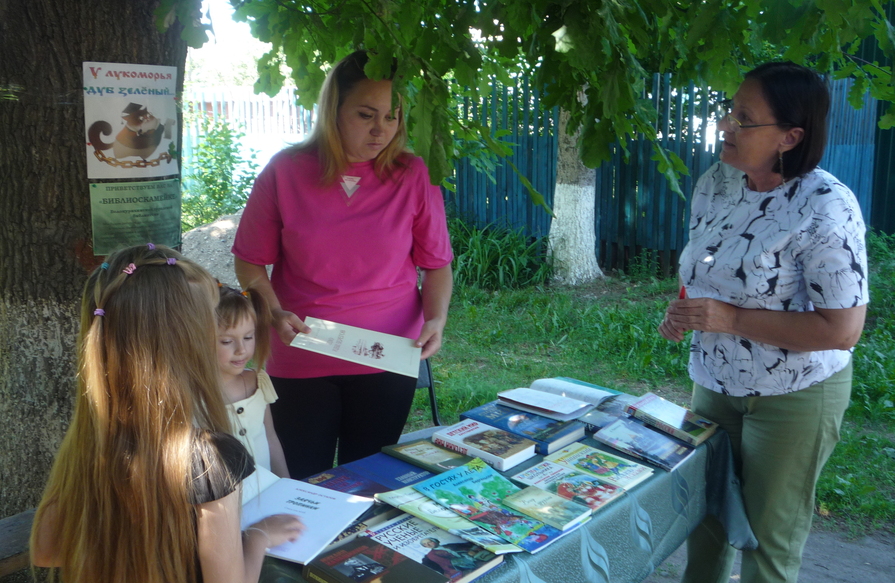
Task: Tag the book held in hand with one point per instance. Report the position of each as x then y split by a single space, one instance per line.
673 419
547 507
324 513
606 466
497 447
571 484
460 561
425 454
375 349
548 434
364 559
642 442
475 491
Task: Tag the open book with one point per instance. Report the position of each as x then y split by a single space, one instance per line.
376 349
556 398
325 513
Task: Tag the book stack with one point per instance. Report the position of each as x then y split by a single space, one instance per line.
548 434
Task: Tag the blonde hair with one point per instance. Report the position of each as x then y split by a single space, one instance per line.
325 138
147 378
234 306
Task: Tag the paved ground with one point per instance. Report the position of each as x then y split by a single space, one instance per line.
830 557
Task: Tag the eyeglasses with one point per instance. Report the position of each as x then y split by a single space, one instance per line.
736 125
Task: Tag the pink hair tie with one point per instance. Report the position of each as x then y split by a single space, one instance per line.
129 269
172 260
99 312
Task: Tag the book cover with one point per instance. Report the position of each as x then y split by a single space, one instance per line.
547 507
497 447
460 561
343 479
364 559
642 442
376 349
475 491
389 471
425 454
606 466
325 513
419 505
544 403
548 434
607 412
567 387
571 484
673 419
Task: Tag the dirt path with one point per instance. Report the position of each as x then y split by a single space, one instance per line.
830 557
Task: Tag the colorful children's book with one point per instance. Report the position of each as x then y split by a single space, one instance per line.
571 484
606 466
475 491
364 559
673 419
460 561
500 448
419 505
548 434
425 454
642 442
547 507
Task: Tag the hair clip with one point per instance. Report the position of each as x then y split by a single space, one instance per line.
171 260
220 284
151 246
245 293
104 265
129 269
99 312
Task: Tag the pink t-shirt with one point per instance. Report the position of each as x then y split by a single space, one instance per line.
352 259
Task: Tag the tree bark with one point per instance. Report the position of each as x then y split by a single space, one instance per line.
46 248
572 240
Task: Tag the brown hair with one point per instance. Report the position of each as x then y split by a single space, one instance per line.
799 98
325 137
235 306
147 378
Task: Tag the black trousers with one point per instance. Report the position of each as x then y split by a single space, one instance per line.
360 413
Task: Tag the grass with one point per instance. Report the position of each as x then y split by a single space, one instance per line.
505 336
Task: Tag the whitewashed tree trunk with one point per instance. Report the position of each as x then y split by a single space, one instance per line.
572 240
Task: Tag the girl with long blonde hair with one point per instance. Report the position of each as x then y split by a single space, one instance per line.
146 484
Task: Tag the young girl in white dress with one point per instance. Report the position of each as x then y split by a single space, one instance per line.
243 336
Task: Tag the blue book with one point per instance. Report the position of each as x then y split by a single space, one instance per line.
389 470
548 434
475 491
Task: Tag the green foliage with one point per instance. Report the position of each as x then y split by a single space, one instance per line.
497 258
873 389
222 179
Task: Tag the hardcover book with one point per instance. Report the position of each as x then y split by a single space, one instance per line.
419 505
425 454
497 447
375 349
475 491
640 441
606 466
673 419
547 507
325 513
548 434
364 559
570 484
460 561
607 412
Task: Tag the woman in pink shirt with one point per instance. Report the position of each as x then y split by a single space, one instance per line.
352 225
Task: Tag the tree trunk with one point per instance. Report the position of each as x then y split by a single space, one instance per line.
46 248
572 241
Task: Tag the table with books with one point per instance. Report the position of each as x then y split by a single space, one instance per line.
629 516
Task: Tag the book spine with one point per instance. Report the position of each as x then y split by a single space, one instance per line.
650 420
489 458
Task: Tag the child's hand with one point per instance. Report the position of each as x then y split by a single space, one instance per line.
279 528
